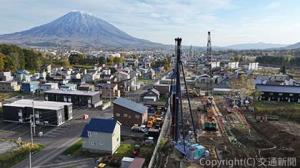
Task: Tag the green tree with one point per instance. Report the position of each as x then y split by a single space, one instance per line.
2 61
102 60
244 84
167 64
117 60
76 58
11 63
109 61
65 62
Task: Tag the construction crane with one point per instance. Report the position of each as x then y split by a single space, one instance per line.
182 143
209 64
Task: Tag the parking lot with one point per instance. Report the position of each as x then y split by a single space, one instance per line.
15 130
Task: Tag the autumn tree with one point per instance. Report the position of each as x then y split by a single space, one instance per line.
244 84
2 63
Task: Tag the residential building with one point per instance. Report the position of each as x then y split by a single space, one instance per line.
108 90
49 86
121 75
30 87
46 68
279 93
101 135
129 112
23 76
9 86
68 86
6 76
148 73
131 62
86 87
164 89
89 77
150 95
45 112
78 98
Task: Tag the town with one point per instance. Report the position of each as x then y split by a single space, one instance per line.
79 92
121 112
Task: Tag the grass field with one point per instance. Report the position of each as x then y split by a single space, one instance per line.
124 150
285 110
7 95
75 148
13 157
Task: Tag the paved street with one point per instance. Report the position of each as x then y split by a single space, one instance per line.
55 139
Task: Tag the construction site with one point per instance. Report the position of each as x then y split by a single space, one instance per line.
205 128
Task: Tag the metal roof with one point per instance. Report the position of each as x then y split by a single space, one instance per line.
38 104
137 163
140 108
99 125
278 88
73 92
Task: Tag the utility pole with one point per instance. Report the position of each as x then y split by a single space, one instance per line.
31 137
33 115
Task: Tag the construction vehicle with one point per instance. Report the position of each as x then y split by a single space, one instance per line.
151 121
136 150
210 119
101 165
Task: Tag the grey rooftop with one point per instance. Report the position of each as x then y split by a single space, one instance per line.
73 92
38 104
140 108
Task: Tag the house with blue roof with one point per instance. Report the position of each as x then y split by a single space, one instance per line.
129 112
101 135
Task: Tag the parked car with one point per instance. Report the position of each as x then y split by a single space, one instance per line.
149 141
137 128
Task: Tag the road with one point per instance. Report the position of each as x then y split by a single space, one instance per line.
60 138
83 163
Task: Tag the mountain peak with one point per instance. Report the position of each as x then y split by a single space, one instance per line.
78 13
77 29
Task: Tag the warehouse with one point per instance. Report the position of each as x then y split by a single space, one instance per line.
279 93
46 112
78 98
129 112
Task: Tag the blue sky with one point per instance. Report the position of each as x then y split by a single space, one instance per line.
230 21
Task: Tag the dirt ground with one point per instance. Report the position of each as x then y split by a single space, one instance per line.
284 135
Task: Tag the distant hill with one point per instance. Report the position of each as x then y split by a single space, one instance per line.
260 46
77 29
293 46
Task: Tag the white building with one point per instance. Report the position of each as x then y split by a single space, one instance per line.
101 136
233 65
6 76
49 86
9 86
253 66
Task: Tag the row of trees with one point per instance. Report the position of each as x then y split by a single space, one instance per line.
166 63
13 57
81 59
279 60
